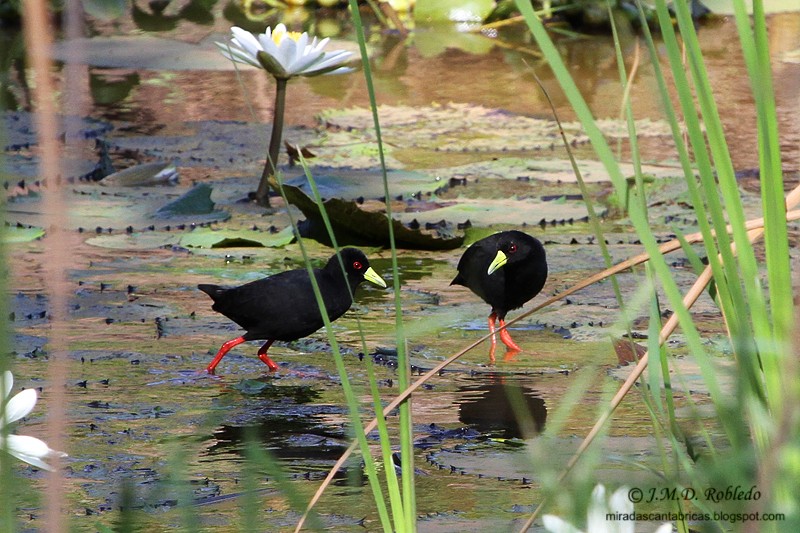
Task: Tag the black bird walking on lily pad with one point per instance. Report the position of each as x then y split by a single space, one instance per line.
283 307
506 270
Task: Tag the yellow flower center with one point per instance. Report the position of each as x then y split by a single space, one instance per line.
280 33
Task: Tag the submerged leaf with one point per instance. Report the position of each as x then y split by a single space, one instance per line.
352 225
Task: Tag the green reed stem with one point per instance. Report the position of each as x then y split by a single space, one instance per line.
403 364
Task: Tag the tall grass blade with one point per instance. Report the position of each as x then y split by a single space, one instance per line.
403 364
352 402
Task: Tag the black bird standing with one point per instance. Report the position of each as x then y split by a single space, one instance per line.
506 270
283 307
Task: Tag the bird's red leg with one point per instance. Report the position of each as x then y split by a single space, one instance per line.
492 329
505 336
262 354
221 353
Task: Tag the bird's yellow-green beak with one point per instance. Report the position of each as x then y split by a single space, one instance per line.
373 277
499 260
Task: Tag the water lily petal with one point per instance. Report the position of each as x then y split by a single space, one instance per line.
26 445
31 450
557 525
8 383
268 45
20 405
596 516
619 501
307 64
321 44
279 33
237 55
299 57
329 63
286 54
246 40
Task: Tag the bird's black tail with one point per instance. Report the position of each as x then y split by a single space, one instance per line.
212 290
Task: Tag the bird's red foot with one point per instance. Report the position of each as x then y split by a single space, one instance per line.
492 329
505 336
225 348
273 366
262 354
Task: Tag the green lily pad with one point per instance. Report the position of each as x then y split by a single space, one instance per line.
549 170
196 201
510 211
431 41
469 128
231 238
350 184
148 240
453 10
21 234
157 173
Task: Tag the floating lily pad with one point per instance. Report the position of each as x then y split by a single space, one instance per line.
470 128
229 238
196 201
488 212
147 240
158 173
111 210
21 234
350 184
551 170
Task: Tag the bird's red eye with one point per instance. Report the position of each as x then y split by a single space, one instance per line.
512 248
357 265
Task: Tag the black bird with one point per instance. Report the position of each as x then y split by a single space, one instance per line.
283 307
506 270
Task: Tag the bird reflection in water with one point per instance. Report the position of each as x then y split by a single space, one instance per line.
489 407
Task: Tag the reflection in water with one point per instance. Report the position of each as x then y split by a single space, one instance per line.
156 19
109 88
285 420
299 435
489 407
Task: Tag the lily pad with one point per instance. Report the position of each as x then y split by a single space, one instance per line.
353 225
21 233
453 10
471 128
147 240
350 184
110 209
231 238
157 173
488 212
551 170
196 201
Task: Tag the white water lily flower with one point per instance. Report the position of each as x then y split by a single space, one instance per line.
29 449
284 54
597 520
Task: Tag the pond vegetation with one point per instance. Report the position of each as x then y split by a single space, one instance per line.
467 146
